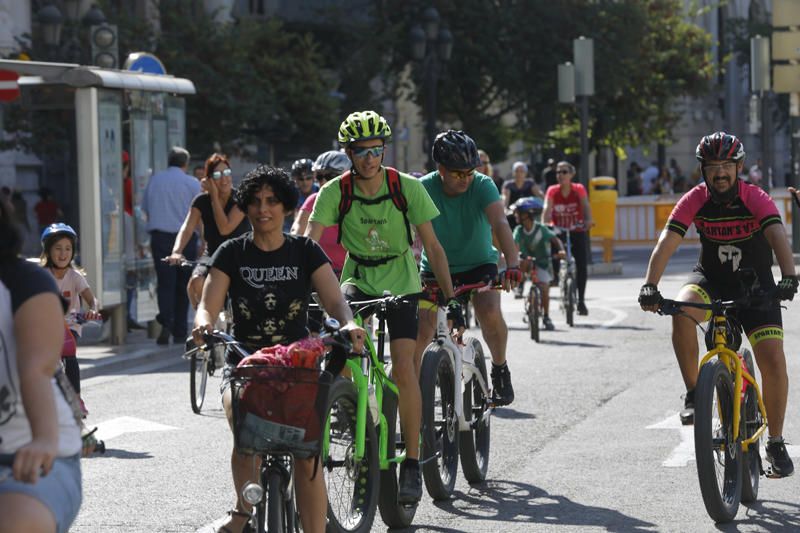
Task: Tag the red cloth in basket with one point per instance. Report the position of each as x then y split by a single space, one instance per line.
284 385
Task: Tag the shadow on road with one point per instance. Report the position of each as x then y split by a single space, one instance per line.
600 326
573 343
508 413
116 453
511 501
771 515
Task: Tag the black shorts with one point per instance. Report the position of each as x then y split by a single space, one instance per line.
401 318
430 288
766 322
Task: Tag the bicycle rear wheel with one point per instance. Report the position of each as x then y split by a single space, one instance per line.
352 486
474 444
534 304
198 378
569 300
439 423
718 454
393 513
751 421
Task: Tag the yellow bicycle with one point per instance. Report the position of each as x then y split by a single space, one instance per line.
729 413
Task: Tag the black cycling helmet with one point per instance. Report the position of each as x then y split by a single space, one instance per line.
302 166
720 146
455 149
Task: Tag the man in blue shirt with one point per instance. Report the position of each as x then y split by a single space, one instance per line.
167 199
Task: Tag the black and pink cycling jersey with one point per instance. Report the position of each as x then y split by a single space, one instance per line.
732 235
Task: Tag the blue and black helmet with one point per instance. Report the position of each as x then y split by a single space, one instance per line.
59 229
529 204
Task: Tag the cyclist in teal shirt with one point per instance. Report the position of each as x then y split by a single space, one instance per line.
470 209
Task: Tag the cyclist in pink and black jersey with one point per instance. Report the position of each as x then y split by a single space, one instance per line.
739 228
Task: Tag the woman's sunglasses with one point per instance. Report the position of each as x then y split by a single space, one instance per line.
217 174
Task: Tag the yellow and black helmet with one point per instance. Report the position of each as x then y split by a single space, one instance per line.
362 126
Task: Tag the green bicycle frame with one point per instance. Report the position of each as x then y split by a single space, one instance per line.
363 371
731 360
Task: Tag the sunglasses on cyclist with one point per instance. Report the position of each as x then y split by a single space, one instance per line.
304 178
461 174
217 174
562 171
374 151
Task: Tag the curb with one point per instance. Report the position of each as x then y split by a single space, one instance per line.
100 366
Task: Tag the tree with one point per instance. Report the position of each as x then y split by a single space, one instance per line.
257 82
505 57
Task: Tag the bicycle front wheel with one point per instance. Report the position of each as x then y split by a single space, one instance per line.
276 521
569 300
534 303
439 423
198 378
474 443
718 454
352 485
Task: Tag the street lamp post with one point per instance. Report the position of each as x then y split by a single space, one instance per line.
433 46
66 47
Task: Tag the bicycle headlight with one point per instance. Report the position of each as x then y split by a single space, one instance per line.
252 493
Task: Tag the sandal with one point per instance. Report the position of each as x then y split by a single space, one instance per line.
245 529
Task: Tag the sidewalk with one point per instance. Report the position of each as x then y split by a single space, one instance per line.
99 358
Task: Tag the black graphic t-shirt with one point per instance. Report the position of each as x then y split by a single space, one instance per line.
211 234
269 291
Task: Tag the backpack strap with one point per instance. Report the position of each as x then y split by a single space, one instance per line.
398 198
346 201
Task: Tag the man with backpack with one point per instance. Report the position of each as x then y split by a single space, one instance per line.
375 207
470 211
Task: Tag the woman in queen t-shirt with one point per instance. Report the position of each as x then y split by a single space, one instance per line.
566 205
220 217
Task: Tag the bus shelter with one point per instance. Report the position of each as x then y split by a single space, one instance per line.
124 125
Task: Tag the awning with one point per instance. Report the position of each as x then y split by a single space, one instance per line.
34 73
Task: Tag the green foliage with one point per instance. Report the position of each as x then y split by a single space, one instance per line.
256 81
506 54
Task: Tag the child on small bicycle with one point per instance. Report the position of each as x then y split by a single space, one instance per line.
59 242
533 241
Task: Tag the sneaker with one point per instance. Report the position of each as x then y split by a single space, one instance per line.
687 413
548 324
410 483
163 337
778 457
502 391
582 309
84 410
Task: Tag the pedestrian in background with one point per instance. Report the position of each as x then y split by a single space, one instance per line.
166 201
47 209
549 173
487 170
519 186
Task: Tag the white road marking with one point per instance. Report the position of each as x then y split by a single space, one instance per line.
127 424
619 316
683 453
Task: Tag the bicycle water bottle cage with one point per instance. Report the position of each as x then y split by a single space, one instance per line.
733 334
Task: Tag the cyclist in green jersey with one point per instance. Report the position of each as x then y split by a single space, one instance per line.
377 236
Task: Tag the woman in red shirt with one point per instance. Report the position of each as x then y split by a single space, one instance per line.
566 205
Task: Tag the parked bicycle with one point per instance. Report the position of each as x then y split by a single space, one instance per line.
279 414
729 415
456 405
204 360
364 444
566 278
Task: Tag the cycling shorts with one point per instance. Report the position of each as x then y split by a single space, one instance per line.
430 289
765 322
401 318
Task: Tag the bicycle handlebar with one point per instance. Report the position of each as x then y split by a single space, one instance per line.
718 306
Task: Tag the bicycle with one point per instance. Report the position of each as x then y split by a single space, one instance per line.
566 279
729 417
452 428
204 362
272 421
361 451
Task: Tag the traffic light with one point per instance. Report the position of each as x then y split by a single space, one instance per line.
105 51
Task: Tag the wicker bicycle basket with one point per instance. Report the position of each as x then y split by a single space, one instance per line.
279 409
